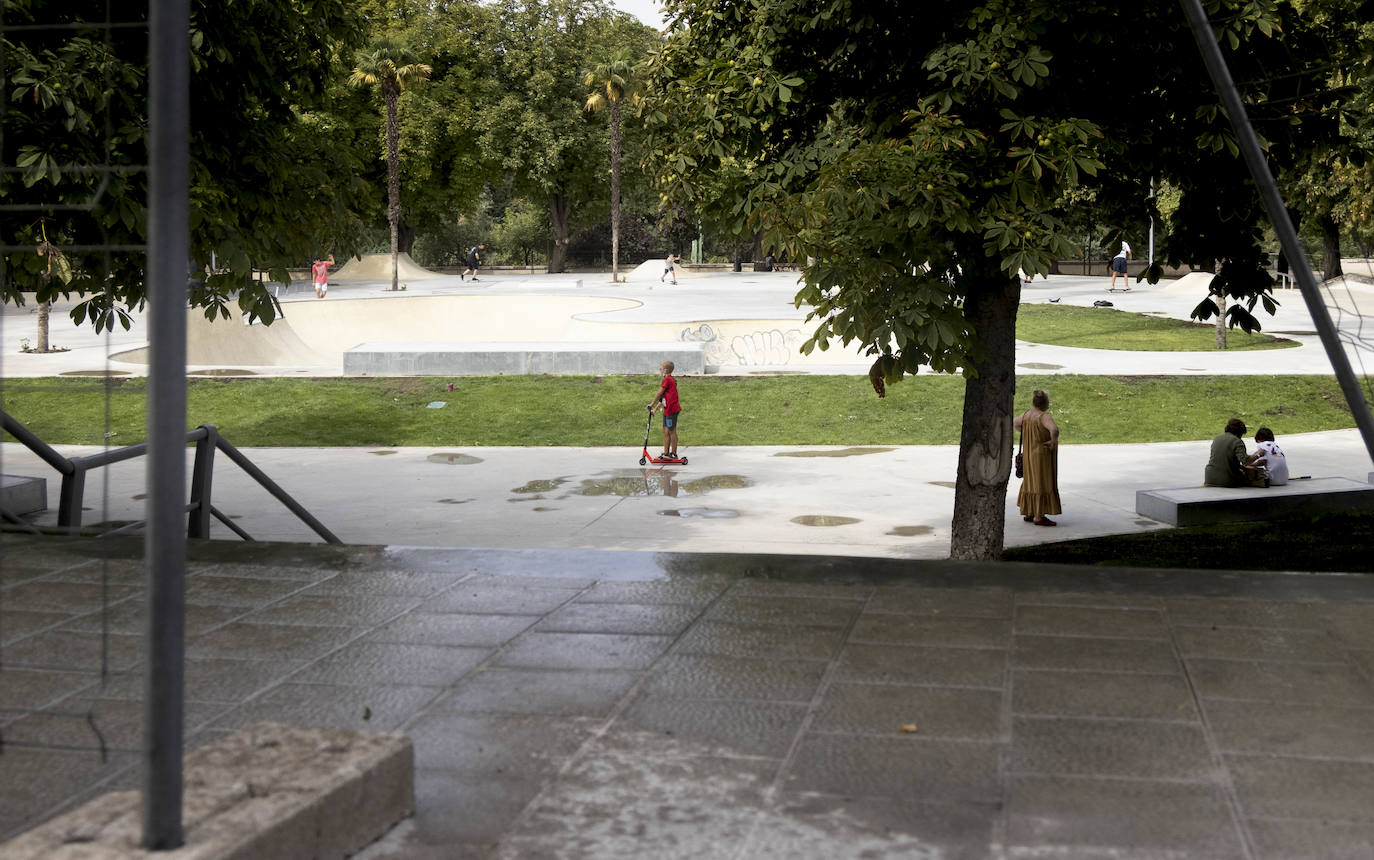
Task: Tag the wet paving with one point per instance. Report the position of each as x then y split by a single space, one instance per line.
837 452
622 704
824 520
454 459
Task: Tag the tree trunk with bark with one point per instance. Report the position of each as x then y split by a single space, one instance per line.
615 190
1331 248
985 441
44 312
391 93
1221 321
560 208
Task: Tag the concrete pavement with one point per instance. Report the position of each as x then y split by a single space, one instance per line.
582 704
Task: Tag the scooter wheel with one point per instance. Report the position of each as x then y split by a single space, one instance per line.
642 461
684 461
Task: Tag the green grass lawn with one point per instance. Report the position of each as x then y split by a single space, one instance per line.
718 410
1107 328
1331 542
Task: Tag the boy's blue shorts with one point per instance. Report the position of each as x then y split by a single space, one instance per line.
1119 265
670 421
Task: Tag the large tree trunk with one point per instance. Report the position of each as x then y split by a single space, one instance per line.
985 441
44 312
615 191
1331 248
391 93
559 210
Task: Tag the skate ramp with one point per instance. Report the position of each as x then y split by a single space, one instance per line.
651 270
377 267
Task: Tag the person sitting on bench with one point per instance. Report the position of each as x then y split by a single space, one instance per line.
1229 465
1270 455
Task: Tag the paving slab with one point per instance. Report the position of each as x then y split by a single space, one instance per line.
739 705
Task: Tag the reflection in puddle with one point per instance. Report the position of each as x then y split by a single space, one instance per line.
454 501
823 520
221 371
454 459
541 486
381 453
704 513
541 510
94 373
911 531
1039 365
843 452
949 484
138 497
1148 523
659 482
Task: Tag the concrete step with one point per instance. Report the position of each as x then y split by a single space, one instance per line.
1202 505
22 495
519 358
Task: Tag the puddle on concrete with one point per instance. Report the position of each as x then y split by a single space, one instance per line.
547 486
94 373
454 501
454 459
1040 365
381 453
542 510
823 520
704 513
911 531
1148 523
221 371
1196 369
535 498
138 497
659 483
949 484
843 452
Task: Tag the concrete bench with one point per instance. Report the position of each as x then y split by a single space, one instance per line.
1191 506
20 495
492 358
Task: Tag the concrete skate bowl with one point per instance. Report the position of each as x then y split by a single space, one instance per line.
315 334
377 267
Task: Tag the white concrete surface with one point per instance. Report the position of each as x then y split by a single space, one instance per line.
747 320
901 499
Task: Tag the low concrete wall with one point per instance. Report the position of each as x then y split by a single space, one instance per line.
267 792
1191 506
20 495
492 358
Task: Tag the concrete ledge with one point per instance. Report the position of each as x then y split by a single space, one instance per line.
1191 506
518 358
20 495
267 792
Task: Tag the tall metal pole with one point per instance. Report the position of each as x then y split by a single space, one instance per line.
1278 215
169 52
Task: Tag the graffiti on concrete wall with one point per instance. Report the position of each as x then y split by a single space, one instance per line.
771 347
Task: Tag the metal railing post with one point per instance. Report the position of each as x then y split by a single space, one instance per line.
169 245
69 504
202 478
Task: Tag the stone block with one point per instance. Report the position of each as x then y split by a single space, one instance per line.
1201 505
267 792
20 495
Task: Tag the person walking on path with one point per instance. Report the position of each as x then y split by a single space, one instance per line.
667 395
474 261
668 264
319 273
1039 494
1119 268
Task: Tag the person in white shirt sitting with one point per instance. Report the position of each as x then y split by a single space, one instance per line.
1270 455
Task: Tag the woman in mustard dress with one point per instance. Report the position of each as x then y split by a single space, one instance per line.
1039 494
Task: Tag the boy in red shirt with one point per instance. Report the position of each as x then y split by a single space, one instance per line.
320 273
667 395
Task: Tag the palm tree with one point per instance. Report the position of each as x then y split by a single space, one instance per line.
615 81
389 65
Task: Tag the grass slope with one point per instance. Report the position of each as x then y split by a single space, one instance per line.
1107 328
610 411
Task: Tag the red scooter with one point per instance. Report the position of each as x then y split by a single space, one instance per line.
646 457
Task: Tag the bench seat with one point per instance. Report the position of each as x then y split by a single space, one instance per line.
1200 505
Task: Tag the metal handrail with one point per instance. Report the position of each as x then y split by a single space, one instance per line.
199 511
